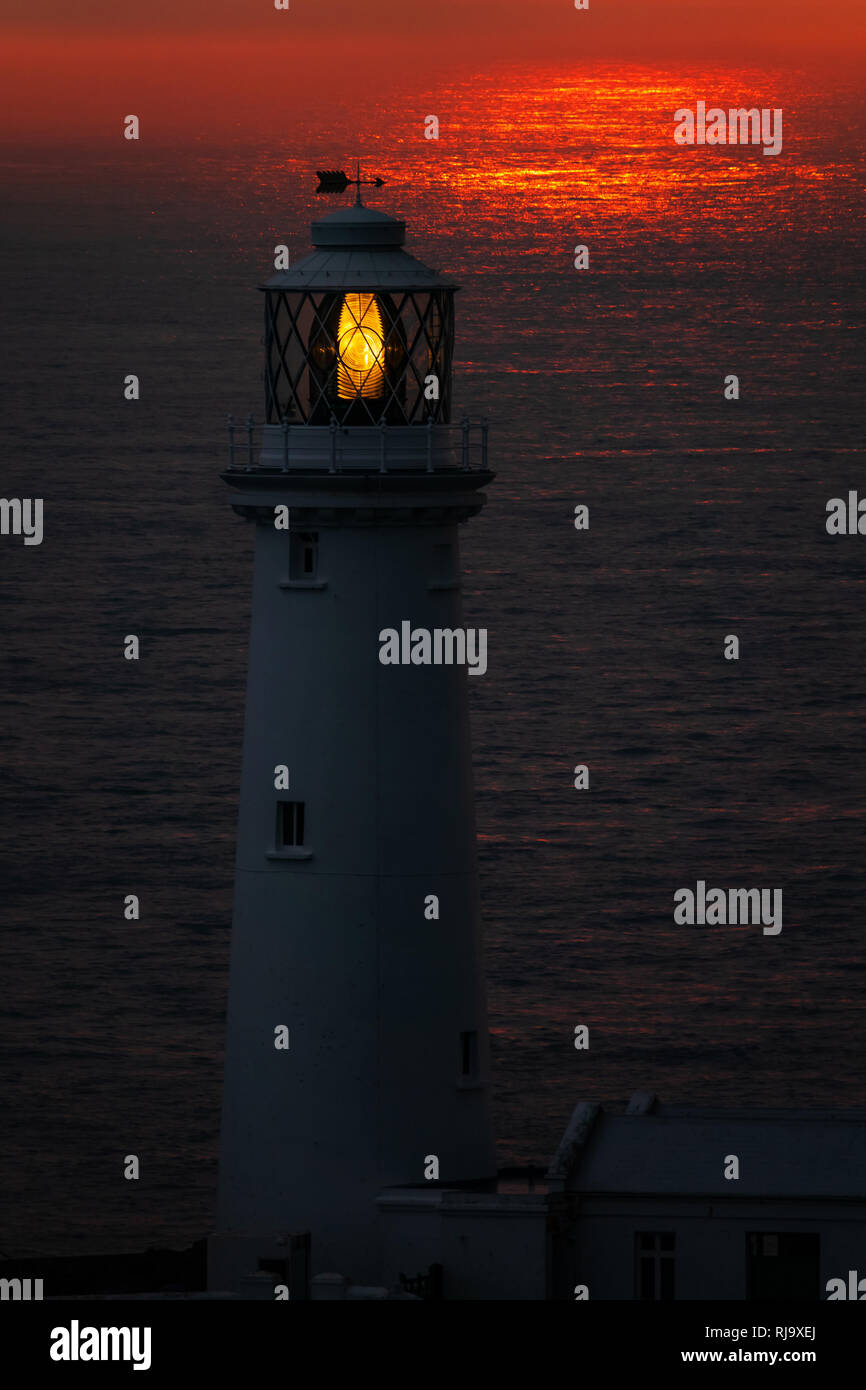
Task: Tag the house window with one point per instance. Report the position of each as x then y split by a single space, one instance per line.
290 824
303 555
654 1265
782 1265
469 1056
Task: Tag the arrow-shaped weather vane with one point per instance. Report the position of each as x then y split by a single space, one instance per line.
336 181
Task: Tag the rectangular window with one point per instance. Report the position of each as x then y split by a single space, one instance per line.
469 1055
654 1265
782 1265
290 824
303 555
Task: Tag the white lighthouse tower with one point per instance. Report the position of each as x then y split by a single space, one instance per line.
357 1046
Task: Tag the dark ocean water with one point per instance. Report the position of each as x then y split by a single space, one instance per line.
605 647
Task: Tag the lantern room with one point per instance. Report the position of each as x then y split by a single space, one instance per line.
359 332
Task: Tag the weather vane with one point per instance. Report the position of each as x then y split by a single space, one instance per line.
336 181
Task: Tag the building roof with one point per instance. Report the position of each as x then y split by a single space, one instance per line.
359 248
681 1151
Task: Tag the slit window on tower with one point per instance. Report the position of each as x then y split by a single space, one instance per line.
303 554
469 1054
290 824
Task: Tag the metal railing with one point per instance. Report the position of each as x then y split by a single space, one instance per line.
289 445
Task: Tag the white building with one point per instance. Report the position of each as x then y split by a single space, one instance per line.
357 1047
641 1208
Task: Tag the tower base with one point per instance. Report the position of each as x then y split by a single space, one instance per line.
474 1242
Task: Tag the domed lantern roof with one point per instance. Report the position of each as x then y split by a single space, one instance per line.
359 331
359 248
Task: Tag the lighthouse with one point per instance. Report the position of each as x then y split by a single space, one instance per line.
357 1047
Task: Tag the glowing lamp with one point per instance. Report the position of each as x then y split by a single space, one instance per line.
360 349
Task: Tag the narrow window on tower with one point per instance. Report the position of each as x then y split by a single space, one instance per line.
290 824
304 570
469 1056
303 555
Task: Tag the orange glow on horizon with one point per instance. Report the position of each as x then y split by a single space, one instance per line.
552 156
72 88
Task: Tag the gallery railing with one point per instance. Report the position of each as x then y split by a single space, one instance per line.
334 448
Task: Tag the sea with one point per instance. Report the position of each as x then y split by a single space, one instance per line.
603 388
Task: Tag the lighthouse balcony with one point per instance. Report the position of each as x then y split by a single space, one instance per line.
337 448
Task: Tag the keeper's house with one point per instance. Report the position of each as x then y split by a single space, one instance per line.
676 1202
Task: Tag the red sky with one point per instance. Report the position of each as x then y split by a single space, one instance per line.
653 29
67 68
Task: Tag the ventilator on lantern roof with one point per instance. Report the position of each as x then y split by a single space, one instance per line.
358 329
